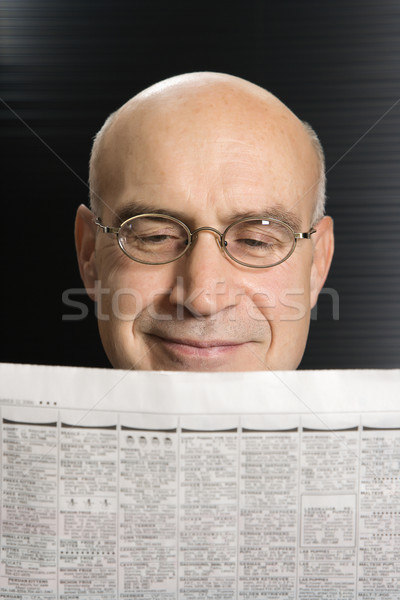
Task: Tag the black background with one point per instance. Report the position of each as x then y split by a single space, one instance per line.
67 64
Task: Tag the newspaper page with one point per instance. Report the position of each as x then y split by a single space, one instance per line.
164 486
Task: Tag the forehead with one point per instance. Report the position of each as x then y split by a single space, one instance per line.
201 159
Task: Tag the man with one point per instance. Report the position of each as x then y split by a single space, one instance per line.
222 271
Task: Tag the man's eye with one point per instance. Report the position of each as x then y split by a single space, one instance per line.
154 239
254 243
150 235
261 243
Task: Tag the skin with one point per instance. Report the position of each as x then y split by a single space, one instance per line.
206 148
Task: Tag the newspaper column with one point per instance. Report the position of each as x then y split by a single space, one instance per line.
268 514
329 488
208 514
88 512
379 530
29 510
148 514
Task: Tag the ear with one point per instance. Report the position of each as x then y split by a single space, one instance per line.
322 256
85 240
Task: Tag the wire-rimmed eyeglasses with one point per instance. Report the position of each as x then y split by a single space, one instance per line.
158 239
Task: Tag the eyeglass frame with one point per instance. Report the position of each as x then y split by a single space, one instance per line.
222 242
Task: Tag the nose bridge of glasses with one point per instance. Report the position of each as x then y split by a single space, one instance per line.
195 233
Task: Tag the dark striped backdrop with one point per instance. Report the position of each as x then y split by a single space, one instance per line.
67 63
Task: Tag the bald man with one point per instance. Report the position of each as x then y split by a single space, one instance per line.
206 245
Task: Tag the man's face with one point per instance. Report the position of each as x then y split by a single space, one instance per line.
204 312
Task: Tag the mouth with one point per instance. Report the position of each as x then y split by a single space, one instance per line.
199 348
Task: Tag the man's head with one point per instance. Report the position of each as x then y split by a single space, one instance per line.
207 149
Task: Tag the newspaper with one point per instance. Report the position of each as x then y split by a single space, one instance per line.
124 485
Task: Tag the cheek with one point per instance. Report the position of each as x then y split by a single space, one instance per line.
127 288
283 301
283 294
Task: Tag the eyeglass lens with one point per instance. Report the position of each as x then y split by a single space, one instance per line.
255 242
153 240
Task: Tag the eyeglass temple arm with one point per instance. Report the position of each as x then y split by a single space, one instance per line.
106 229
306 236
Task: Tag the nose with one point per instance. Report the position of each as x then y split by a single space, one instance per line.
207 282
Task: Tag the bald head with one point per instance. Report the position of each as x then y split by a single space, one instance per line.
191 109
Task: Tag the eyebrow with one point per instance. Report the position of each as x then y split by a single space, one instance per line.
274 212
139 208
132 209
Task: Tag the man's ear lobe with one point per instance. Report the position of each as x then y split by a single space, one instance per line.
322 256
85 240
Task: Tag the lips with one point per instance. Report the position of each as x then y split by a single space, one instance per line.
200 343
201 349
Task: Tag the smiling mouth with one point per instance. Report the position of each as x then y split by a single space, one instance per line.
199 348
